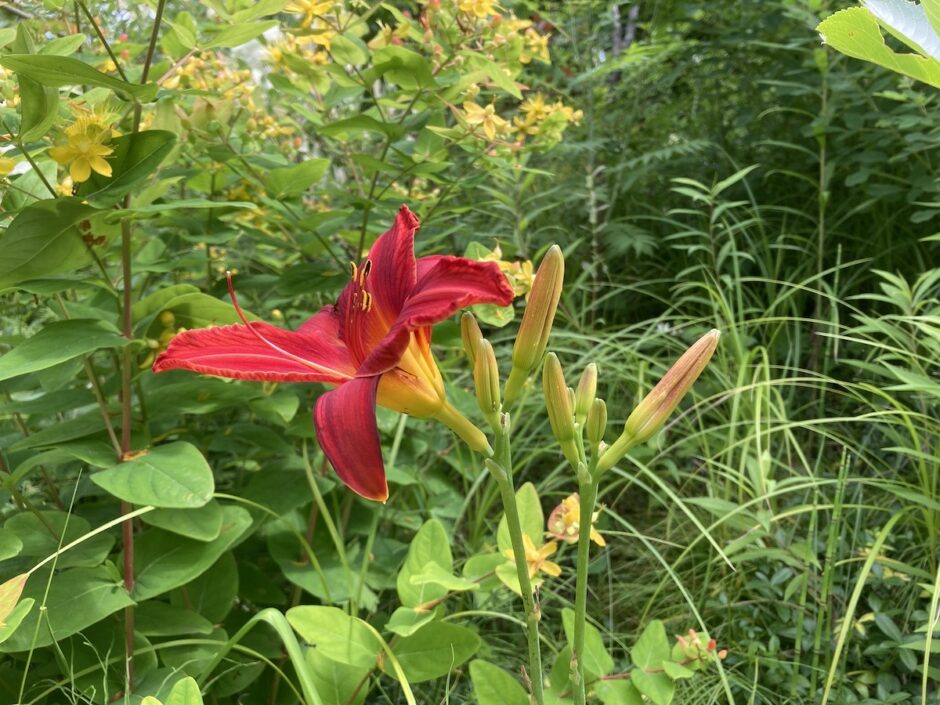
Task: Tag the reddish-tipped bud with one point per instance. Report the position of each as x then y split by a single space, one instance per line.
558 404
536 325
585 393
651 413
486 381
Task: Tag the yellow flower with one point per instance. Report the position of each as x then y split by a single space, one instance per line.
6 166
564 523
94 124
486 117
310 9
83 155
520 274
537 558
479 8
536 47
535 107
65 188
567 112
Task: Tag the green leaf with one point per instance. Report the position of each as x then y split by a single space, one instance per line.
57 342
234 35
10 592
63 46
202 524
15 618
618 692
156 209
430 545
435 650
43 239
406 621
39 107
7 35
155 618
58 71
403 67
676 670
40 534
493 686
174 475
648 655
597 662
77 598
336 683
530 517
164 561
263 8
360 123
10 544
212 594
288 181
336 635
434 574
349 49
136 156
495 73
185 692
856 33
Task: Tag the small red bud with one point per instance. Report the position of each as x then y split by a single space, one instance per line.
712 644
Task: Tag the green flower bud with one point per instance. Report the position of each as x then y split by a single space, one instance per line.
651 413
486 381
536 325
596 422
584 396
558 404
471 335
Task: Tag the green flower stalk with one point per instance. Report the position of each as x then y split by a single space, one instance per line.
536 325
651 413
558 404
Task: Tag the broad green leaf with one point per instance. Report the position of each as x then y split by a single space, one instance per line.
57 342
136 156
10 592
10 544
349 49
63 46
494 686
430 545
403 67
7 35
495 73
856 33
288 181
58 71
212 594
932 8
43 239
359 123
677 671
336 682
198 310
175 475
155 618
15 618
156 209
648 655
42 533
79 427
234 35
164 561
908 22
77 598
185 692
154 303
406 621
263 8
203 523
39 107
434 574
336 635
530 517
435 650
597 662
618 692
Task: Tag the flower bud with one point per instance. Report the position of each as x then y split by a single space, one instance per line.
584 395
486 380
558 404
596 422
651 413
536 325
471 335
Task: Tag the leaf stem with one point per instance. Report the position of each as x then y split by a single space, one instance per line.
588 491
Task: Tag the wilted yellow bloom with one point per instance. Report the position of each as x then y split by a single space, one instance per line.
6 166
480 9
564 523
487 118
537 558
82 155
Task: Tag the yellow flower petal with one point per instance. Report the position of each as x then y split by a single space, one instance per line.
100 165
80 170
63 154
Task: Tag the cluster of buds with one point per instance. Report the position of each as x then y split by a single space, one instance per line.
694 650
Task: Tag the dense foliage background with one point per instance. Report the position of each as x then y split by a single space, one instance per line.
702 165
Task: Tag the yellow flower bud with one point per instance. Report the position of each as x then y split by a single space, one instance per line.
536 325
486 380
584 395
471 335
558 404
596 422
651 413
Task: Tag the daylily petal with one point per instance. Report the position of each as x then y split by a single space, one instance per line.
393 271
347 433
451 284
307 355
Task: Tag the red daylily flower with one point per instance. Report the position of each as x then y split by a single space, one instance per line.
373 345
